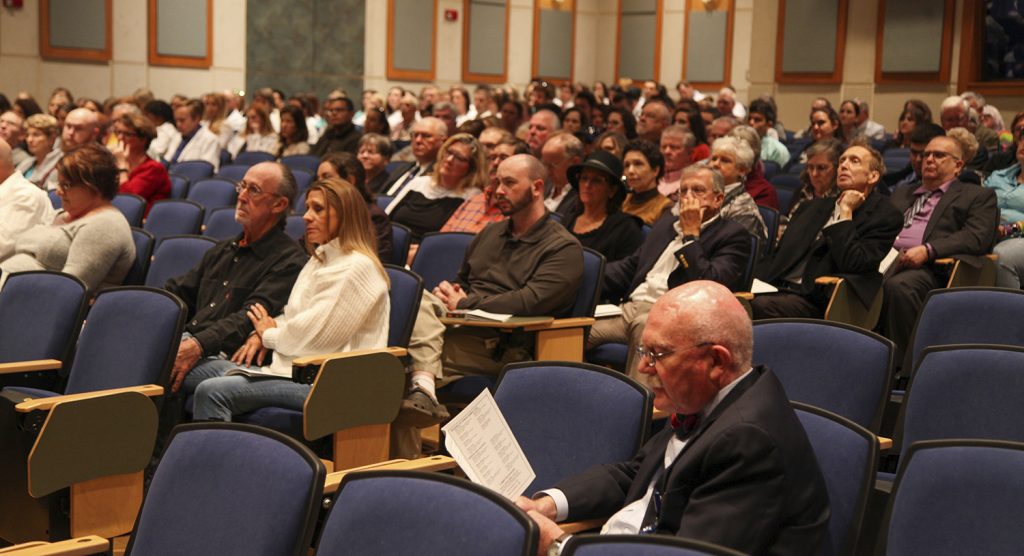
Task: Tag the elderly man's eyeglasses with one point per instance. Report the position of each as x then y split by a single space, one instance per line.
651 357
253 190
939 156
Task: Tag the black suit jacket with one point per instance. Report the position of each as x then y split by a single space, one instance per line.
747 478
851 249
397 174
963 224
721 255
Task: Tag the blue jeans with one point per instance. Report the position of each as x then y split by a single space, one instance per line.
206 368
220 398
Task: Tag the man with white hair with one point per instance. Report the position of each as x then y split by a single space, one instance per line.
728 104
543 123
677 143
734 468
956 112
22 204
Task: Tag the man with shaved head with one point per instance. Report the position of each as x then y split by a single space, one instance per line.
526 265
734 468
428 134
22 204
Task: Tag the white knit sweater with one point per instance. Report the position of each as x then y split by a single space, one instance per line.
337 304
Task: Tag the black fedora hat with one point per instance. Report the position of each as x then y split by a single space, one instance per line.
602 161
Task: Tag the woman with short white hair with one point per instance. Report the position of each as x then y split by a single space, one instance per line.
733 158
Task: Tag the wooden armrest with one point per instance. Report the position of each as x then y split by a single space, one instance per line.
884 443
512 324
581 526
72 547
827 280
319 359
574 322
28 366
945 261
433 463
46 404
744 295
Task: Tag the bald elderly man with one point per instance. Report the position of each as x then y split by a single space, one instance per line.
735 468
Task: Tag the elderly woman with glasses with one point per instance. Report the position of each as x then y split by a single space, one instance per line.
137 172
90 238
429 201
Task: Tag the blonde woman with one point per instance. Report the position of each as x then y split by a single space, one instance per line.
215 109
259 133
41 133
339 303
429 201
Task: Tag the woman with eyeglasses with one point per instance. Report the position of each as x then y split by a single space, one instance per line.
89 238
137 172
818 177
339 303
429 201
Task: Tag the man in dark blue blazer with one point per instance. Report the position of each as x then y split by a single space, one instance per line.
736 468
698 244
847 236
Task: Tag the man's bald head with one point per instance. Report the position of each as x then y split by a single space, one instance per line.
80 127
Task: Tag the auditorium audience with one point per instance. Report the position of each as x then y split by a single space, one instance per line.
428 134
258 266
692 242
1010 198
12 130
915 113
733 159
430 200
41 132
761 117
344 166
622 122
480 210
194 141
611 141
341 134
139 174
543 124
560 151
339 303
215 109
598 221
677 144
643 166
374 154
754 182
818 178
259 135
89 238
294 136
161 115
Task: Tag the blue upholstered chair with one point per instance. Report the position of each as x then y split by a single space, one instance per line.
233 172
221 224
846 454
295 227
131 206
303 180
440 257
230 489
175 256
771 224
194 170
303 162
144 243
562 435
213 193
836 367
251 158
179 186
383 201
955 497
400 239
172 217
474 520
642 545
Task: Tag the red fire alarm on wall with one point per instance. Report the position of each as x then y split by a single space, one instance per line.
451 15
15 4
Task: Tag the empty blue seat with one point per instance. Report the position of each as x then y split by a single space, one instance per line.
131 206
173 217
221 224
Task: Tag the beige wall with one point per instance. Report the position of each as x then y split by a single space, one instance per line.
21 68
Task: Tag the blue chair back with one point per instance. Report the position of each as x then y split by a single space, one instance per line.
383 201
130 338
175 256
221 224
404 295
590 289
230 489
771 223
796 168
213 193
40 315
786 181
846 454
172 217
144 243
770 168
303 180
400 239
642 545
563 434
179 186
474 521
295 227
233 172
968 316
302 162
645 230
786 199
966 391
251 158
194 170
834 366
440 257
957 497
54 198
131 206
299 204
394 164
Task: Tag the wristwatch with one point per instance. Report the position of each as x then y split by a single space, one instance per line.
558 544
